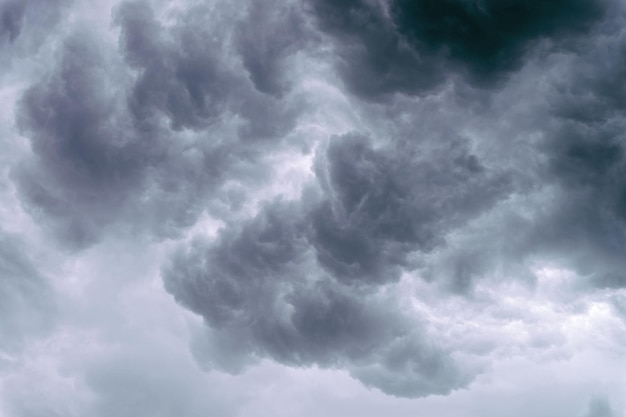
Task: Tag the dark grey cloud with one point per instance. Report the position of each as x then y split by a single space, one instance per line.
269 34
489 37
180 79
185 76
410 47
298 282
584 148
11 15
262 296
82 159
564 154
386 203
587 148
145 136
373 60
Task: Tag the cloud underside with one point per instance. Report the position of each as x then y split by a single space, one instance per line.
173 121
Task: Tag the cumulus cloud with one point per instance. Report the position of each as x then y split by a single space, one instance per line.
385 203
569 206
266 38
114 135
12 15
298 283
263 294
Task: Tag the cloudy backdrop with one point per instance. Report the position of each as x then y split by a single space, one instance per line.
312 207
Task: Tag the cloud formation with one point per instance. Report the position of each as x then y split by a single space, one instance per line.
262 292
421 197
144 136
412 47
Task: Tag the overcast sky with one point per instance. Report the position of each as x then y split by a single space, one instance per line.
246 208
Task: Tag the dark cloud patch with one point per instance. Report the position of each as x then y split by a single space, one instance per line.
84 159
262 295
386 203
95 166
299 282
489 37
183 74
328 319
74 115
142 138
373 60
239 270
27 304
586 151
180 76
11 16
269 34
412 47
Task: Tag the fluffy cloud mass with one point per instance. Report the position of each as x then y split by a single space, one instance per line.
308 207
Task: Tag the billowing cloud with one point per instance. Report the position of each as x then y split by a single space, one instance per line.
488 37
12 15
263 294
214 208
385 203
586 157
570 206
299 282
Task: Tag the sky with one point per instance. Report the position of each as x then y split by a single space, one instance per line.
312 207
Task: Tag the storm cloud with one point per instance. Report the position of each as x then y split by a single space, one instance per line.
412 47
340 207
113 133
27 308
262 292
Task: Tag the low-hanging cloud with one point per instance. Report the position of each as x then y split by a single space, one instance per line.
412 47
423 195
298 283
142 137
